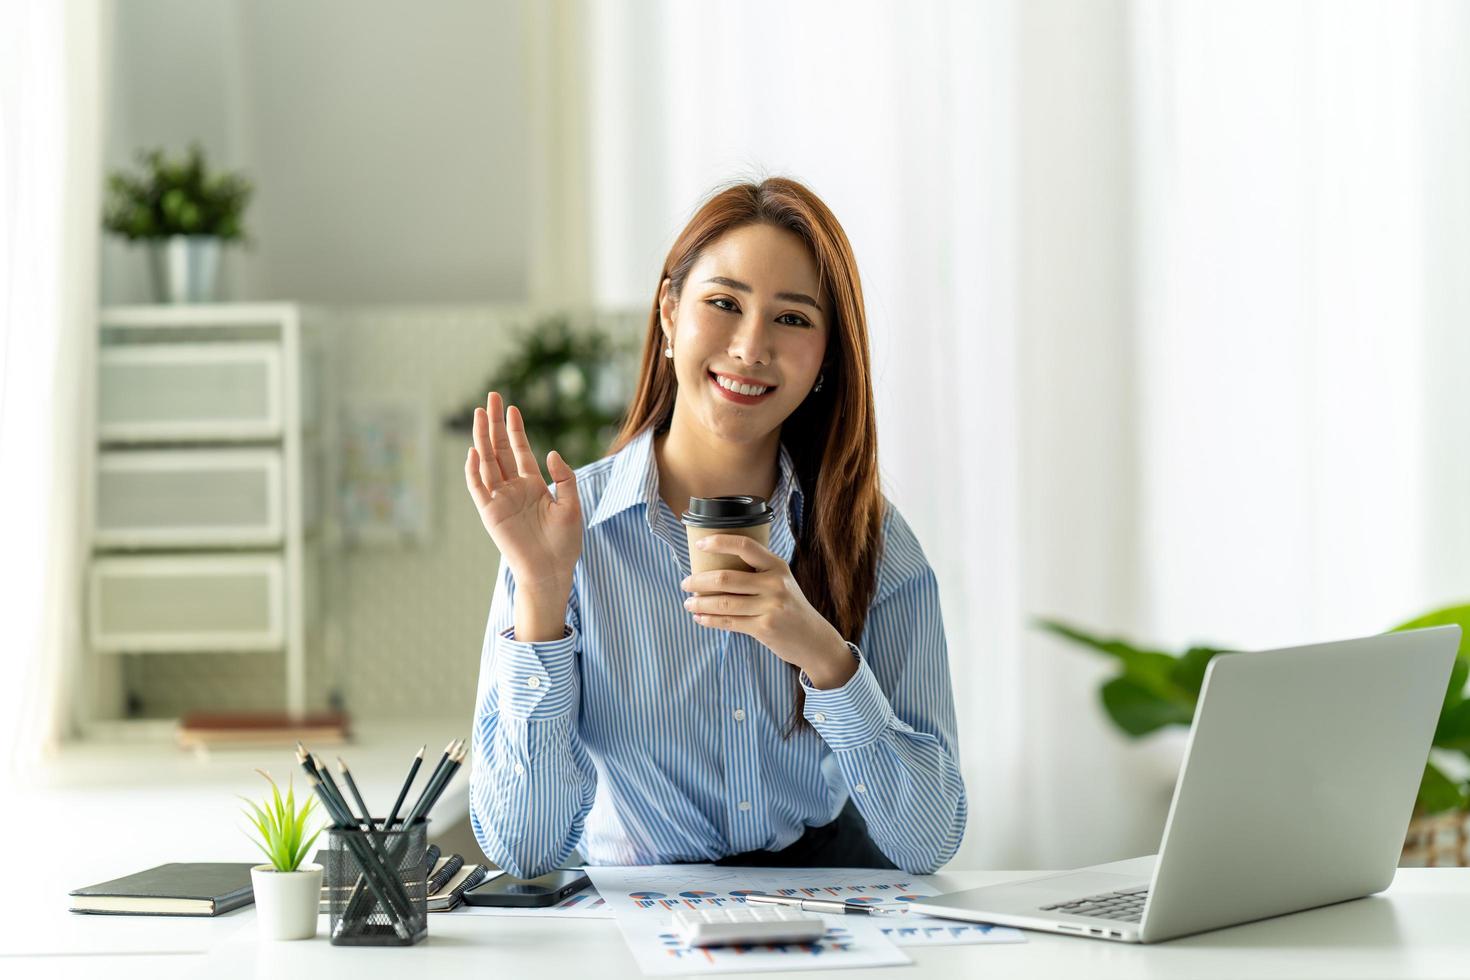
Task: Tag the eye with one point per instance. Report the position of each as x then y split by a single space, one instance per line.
795 319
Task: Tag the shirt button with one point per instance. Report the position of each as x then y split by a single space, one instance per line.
739 714
861 788
745 804
533 681
819 717
520 769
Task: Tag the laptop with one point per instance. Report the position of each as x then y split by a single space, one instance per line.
1297 786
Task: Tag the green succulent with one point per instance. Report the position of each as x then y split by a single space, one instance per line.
282 826
175 197
1154 689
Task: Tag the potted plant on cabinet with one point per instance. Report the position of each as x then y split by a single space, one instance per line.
1155 690
287 892
184 214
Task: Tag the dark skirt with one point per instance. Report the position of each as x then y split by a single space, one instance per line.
843 843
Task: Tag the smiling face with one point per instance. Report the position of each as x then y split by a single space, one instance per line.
749 332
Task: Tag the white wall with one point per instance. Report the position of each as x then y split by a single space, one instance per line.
387 140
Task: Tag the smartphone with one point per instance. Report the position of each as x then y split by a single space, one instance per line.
528 893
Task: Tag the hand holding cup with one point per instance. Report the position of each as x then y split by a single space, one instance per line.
739 584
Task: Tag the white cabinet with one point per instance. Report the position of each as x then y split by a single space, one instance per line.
192 603
200 521
188 498
161 392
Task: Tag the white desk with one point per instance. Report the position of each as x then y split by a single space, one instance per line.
126 811
1415 929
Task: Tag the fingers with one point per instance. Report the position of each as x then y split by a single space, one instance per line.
723 580
727 605
521 444
499 438
492 474
750 550
479 492
565 479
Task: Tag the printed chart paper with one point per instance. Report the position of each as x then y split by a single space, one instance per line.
893 892
924 930
643 900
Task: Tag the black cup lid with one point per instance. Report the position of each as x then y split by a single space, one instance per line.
740 510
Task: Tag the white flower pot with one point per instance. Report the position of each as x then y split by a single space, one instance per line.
286 901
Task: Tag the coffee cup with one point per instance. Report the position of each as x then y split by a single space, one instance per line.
745 515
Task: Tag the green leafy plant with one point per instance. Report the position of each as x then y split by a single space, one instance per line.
175 197
282 826
1154 689
563 380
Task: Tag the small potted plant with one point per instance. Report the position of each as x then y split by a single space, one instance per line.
184 214
287 892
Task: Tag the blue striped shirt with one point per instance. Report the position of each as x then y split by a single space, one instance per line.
646 738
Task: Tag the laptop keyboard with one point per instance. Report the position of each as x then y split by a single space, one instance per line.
1121 906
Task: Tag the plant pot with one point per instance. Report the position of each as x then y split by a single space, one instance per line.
185 268
286 901
1440 841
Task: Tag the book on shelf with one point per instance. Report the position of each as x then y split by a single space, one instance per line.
242 728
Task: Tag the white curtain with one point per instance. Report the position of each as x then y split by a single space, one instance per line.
1303 327
49 212
1168 317
1303 337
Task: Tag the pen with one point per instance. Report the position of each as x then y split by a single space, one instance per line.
819 905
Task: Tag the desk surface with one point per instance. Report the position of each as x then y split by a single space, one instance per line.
144 814
1415 929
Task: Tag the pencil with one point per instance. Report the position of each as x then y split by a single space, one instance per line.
367 817
373 869
325 776
435 787
366 860
438 768
337 805
454 755
413 770
449 763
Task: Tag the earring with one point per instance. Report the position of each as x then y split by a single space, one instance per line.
818 385
669 349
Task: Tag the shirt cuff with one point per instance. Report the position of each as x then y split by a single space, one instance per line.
536 679
851 716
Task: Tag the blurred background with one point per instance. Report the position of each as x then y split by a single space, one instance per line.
1168 309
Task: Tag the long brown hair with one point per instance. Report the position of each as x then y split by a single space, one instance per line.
832 435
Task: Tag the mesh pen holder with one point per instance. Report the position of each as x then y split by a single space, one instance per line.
377 885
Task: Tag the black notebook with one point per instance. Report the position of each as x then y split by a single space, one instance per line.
170 889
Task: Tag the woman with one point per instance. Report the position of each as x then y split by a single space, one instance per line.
652 716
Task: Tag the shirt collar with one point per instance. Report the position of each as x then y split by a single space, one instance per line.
634 480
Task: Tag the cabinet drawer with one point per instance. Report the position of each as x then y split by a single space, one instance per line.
187 603
188 498
183 392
